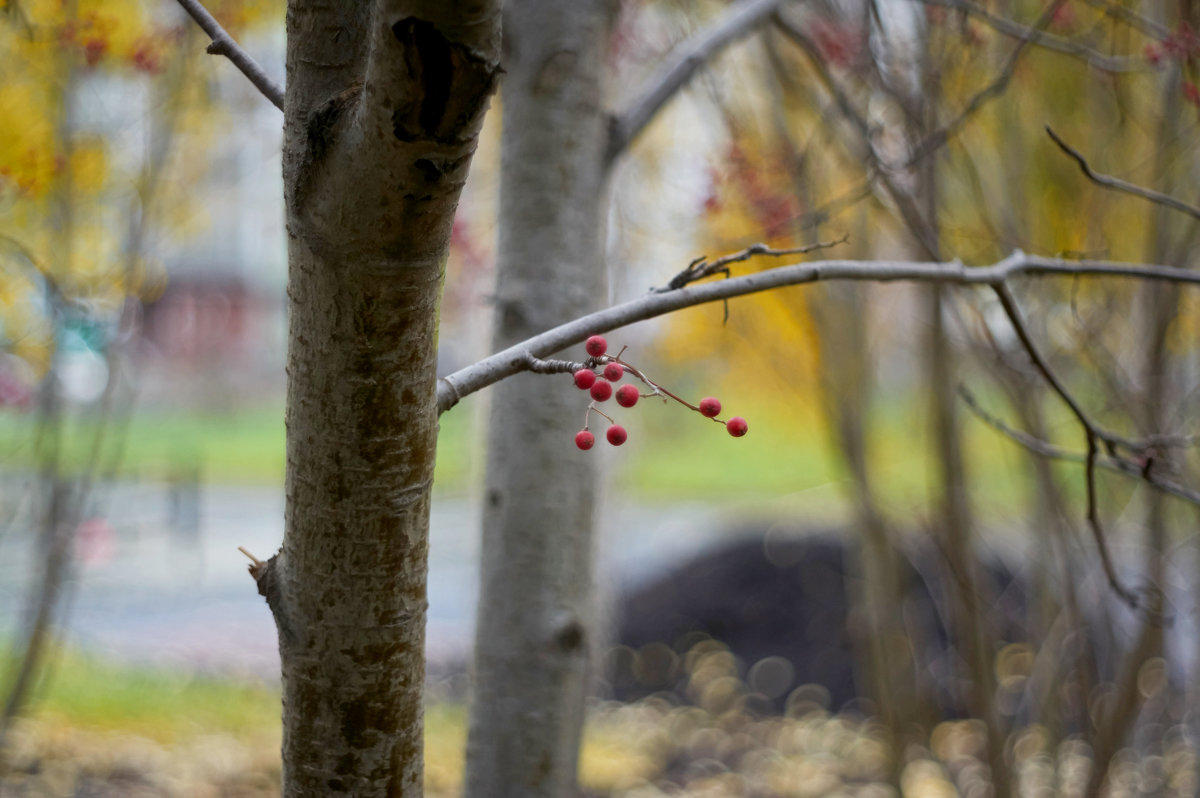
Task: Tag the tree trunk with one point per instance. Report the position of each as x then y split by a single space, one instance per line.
382 112
533 625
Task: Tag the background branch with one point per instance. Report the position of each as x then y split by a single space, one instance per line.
1042 448
223 44
1042 39
682 64
1091 430
702 267
1117 184
989 92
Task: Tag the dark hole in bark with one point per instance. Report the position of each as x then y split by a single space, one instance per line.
427 169
433 69
570 637
450 84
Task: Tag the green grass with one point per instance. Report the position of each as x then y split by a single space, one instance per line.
788 454
245 446
85 692
671 455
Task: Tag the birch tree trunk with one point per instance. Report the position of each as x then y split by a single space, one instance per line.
382 111
533 625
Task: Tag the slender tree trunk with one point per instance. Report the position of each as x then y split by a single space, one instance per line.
382 113
534 620
954 511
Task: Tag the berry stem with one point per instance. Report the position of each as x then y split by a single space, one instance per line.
655 387
592 408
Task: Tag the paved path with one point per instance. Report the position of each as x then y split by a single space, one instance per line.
164 582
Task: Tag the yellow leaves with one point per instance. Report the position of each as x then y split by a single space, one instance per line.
89 167
86 34
769 338
86 88
237 15
26 138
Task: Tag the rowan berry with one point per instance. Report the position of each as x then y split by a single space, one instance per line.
584 439
737 426
616 435
710 407
601 389
584 379
596 345
628 395
613 372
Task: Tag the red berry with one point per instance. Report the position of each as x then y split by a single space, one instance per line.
710 406
601 390
584 379
617 435
627 395
613 372
596 345
584 439
737 426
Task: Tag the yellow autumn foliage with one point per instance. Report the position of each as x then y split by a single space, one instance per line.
70 182
1001 183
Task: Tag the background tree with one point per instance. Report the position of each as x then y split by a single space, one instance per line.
80 207
535 629
854 65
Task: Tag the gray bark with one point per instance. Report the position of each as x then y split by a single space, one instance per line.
533 626
382 111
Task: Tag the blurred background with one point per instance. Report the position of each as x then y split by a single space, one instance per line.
883 589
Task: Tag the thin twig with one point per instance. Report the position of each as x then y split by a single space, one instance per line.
1131 18
990 92
255 562
1117 184
1045 40
223 44
1042 448
701 267
682 64
904 200
798 37
1091 430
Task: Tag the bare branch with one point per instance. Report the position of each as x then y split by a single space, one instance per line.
682 64
223 44
1042 448
1045 40
990 92
1120 185
844 103
904 200
1091 430
510 361
701 267
1131 18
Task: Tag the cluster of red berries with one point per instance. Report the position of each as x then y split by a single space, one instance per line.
600 386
